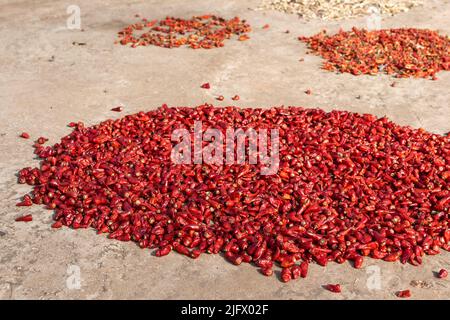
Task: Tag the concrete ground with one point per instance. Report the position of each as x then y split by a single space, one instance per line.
47 81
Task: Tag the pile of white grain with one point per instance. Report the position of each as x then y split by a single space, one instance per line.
340 9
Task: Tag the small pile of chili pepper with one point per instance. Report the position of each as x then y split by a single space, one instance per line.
207 31
348 187
405 52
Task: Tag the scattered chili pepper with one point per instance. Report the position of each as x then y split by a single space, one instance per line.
25 135
405 52
235 98
404 294
336 288
394 84
117 109
357 263
287 31
296 271
308 92
442 274
286 274
220 98
207 31
348 186
267 272
244 37
26 202
41 140
205 86
57 225
25 218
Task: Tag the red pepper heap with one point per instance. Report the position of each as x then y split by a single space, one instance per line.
207 31
349 186
403 52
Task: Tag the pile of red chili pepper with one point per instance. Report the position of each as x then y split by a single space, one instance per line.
403 52
349 186
207 31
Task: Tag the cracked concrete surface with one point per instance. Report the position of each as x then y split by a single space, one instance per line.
40 94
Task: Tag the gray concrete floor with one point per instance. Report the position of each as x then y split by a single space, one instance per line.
82 83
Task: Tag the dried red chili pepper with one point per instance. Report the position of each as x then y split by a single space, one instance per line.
336 288
244 37
163 251
442 273
267 272
347 186
405 52
117 109
57 225
357 263
235 98
286 274
296 272
304 269
25 135
25 218
205 86
206 32
220 98
41 140
26 202
404 294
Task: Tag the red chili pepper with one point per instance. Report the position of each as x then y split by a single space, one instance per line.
357 263
164 251
335 196
205 86
235 98
267 272
26 202
406 52
404 294
117 109
25 218
296 271
206 32
57 224
304 269
442 274
336 288
25 135
42 140
286 274
243 37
